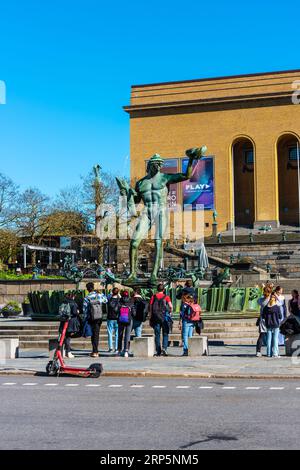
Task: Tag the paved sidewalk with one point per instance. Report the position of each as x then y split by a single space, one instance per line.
223 362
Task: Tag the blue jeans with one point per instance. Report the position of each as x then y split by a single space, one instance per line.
112 325
187 332
137 326
165 330
272 342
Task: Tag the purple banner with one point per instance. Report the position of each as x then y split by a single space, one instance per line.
200 188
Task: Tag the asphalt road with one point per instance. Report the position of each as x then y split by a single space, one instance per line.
153 414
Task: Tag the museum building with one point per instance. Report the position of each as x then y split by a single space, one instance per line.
251 127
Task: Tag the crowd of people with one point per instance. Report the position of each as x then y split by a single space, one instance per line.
126 315
273 311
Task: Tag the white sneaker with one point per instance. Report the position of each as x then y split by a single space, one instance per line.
276 357
126 354
258 354
70 355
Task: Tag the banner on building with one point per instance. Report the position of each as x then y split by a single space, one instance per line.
200 188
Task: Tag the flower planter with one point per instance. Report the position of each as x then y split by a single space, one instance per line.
27 310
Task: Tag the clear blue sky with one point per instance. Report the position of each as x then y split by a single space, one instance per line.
68 66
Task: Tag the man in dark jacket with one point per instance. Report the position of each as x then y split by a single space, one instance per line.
139 312
113 306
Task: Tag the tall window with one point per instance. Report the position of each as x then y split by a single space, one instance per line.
293 151
249 156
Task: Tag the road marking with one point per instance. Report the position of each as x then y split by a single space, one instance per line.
137 386
10 383
252 388
92 385
115 386
297 388
276 388
228 388
71 385
206 388
158 386
50 385
29 384
183 386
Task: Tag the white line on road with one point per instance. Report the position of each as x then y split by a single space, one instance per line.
158 386
206 388
50 385
92 385
71 385
183 386
137 386
115 386
29 384
252 388
10 383
276 388
228 388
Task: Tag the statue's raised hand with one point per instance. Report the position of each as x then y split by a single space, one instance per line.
196 153
123 186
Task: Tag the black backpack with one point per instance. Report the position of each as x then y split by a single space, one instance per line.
113 308
159 308
140 309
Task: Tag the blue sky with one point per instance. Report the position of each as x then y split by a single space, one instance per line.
68 66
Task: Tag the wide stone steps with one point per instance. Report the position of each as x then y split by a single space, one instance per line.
36 335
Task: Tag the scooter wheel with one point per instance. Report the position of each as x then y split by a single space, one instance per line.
96 370
52 368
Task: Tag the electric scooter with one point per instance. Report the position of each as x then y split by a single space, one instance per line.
56 366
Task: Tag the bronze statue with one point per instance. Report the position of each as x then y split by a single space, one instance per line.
153 191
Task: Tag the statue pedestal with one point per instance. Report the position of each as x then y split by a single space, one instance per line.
214 229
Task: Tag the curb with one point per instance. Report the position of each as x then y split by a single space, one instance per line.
165 375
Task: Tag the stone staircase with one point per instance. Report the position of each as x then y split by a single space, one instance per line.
35 335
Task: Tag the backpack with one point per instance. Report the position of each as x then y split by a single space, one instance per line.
124 314
113 308
64 311
95 310
159 308
140 309
195 313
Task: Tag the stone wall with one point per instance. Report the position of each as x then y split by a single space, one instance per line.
17 290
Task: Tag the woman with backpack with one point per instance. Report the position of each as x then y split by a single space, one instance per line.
190 315
113 306
124 323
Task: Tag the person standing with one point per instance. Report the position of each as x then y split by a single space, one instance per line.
112 319
69 308
124 323
271 315
262 330
93 313
282 305
160 319
190 313
139 312
294 303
